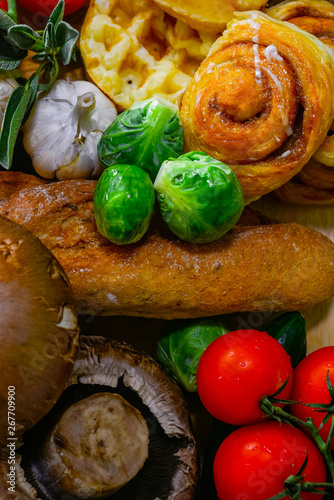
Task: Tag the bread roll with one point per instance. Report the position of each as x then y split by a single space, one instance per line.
258 265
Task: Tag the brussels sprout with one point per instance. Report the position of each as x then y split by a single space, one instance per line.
182 344
200 198
123 203
145 135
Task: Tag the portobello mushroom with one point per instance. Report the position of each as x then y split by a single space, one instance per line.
105 368
39 331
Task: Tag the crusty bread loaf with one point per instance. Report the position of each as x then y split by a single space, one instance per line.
258 265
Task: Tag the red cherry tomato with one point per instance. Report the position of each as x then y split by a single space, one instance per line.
253 462
45 7
310 386
3 5
236 370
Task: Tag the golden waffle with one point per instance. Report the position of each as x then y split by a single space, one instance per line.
133 50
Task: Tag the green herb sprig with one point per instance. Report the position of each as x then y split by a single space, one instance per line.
54 45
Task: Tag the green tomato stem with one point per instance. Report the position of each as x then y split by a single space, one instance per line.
281 415
299 486
306 487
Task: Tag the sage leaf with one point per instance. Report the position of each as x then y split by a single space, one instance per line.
24 37
5 21
57 14
8 65
15 111
66 38
49 38
32 85
10 56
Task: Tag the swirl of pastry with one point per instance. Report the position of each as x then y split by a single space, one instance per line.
317 18
262 101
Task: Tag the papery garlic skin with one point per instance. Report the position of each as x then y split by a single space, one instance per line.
63 130
8 84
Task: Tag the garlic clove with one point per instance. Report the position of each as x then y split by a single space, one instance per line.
73 115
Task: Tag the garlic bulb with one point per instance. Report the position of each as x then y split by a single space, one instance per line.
64 127
8 84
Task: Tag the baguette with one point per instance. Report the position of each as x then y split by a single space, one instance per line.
259 265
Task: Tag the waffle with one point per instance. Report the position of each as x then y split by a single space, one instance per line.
133 50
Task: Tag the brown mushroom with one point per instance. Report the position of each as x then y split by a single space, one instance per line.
38 334
107 367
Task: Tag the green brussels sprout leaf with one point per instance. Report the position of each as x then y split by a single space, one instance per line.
144 135
200 198
182 344
123 203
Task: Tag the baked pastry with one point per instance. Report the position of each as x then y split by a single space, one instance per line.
210 17
258 265
314 184
262 101
133 50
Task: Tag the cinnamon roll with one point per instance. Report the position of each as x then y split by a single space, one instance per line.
262 101
314 184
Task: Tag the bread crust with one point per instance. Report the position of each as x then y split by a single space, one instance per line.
259 265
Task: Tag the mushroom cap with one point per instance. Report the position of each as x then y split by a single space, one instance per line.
39 330
171 469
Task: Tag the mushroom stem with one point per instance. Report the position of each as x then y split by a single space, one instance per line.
96 447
